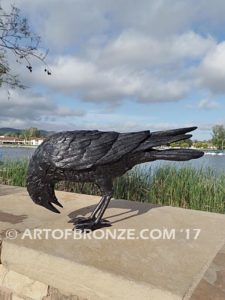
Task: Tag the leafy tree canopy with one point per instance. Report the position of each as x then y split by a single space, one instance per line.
30 133
218 136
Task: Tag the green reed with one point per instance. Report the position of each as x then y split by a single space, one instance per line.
13 172
185 187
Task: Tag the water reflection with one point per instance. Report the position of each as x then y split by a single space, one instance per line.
215 162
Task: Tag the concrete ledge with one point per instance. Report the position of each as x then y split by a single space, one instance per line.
212 285
108 268
22 285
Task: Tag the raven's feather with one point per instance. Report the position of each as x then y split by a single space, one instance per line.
82 150
97 156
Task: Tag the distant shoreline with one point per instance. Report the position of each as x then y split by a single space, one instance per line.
18 146
207 151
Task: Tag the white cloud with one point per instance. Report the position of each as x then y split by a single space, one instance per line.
105 51
64 111
211 72
71 21
141 50
77 76
208 104
23 107
64 23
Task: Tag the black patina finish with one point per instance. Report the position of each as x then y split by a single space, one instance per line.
99 157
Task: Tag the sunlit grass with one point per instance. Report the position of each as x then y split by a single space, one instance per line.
185 187
13 172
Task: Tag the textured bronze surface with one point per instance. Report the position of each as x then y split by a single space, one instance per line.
99 157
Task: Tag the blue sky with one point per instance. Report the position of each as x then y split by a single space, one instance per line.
123 65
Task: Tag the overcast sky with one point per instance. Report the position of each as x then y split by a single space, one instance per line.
123 65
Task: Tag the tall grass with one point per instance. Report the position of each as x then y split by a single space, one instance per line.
185 187
13 172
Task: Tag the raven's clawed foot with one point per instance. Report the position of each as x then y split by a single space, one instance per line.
82 223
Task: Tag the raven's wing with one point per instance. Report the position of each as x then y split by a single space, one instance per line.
84 149
125 143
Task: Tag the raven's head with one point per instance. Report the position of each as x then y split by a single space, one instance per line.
43 194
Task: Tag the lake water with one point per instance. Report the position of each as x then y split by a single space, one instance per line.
215 162
16 153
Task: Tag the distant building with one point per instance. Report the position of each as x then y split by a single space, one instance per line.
16 141
8 140
35 142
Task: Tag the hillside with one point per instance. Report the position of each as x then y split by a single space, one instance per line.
7 130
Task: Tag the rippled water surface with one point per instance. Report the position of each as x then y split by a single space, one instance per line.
211 160
16 153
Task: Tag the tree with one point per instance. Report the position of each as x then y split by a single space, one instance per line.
17 38
201 144
218 136
10 134
34 132
30 133
182 144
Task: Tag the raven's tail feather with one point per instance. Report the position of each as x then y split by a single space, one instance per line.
173 154
175 131
160 138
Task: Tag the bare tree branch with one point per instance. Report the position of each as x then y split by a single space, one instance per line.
17 38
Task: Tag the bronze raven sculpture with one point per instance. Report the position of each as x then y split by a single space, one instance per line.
99 157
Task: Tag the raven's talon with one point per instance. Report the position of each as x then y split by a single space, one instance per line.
83 224
79 220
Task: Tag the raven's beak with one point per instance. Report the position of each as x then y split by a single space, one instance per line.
55 201
49 206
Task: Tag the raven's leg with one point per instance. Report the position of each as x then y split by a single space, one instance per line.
100 212
98 207
106 187
95 220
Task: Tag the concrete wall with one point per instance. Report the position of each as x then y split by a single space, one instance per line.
176 267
